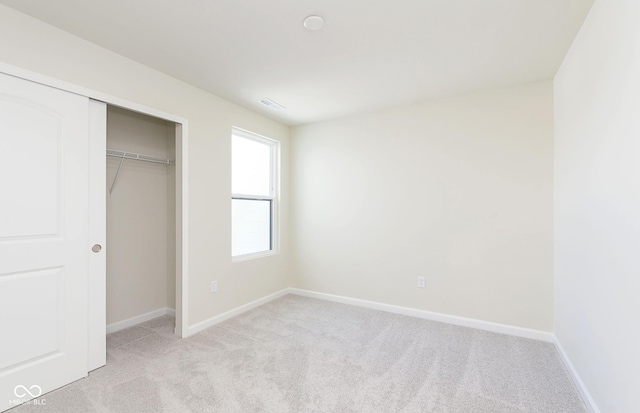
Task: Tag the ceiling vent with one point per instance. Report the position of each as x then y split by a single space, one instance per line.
271 104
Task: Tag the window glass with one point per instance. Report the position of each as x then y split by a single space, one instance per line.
251 167
251 226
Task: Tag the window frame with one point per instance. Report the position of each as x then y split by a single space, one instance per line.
274 197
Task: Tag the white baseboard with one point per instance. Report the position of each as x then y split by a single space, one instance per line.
130 322
429 315
582 389
202 325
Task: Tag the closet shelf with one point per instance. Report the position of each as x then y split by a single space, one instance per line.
138 157
134 157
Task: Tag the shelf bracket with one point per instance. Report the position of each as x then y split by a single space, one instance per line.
115 178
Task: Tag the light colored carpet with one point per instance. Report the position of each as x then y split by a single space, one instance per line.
299 354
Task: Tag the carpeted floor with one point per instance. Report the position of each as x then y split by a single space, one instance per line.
299 354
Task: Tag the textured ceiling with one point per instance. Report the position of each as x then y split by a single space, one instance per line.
371 54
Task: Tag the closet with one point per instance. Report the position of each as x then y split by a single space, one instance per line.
74 235
140 218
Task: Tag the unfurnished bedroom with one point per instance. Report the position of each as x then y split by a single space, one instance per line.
286 206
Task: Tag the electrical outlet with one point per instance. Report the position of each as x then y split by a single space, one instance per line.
214 286
421 282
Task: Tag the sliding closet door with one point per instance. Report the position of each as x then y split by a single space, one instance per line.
44 239
97 235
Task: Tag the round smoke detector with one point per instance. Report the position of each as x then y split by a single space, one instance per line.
313 23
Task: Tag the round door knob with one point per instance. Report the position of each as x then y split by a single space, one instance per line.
96 248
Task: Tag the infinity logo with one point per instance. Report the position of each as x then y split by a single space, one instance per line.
21 391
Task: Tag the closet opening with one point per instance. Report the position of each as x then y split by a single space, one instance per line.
141 213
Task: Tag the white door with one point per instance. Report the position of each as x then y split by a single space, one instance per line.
44 245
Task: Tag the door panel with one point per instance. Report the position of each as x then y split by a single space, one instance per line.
44 244
37 331
29 148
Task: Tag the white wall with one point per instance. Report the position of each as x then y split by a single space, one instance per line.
33 45
458 191
597 204
140 266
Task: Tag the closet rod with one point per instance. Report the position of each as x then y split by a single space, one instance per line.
135 157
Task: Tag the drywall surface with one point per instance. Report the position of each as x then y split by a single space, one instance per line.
458 191
597 204
28 43
138 262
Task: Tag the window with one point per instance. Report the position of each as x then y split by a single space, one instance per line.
254 178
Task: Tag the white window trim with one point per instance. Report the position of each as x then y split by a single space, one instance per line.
275 194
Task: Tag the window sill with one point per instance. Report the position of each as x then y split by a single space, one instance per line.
254 256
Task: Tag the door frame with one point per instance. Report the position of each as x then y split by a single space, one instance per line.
182 178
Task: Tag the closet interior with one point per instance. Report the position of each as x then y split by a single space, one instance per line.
141 218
